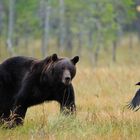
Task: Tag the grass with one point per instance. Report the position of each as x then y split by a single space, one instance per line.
101 96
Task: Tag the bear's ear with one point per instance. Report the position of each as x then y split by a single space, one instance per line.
75 60
54 57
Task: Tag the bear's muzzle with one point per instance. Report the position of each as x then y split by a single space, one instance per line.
66 79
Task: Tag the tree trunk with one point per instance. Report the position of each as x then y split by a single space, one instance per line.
11 27
96 54
79 49
114 49
16 37
90 46
80 36
27 33
61 26
69 44
99 41
130 41
46 10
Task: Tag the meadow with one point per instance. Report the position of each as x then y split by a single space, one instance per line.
101 96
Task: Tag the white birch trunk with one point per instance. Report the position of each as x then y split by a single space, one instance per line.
11 27
62 24
45 28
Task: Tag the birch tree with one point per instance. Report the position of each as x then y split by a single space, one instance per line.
11 14
61 25
45 25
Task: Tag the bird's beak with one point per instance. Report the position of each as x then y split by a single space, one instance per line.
137 84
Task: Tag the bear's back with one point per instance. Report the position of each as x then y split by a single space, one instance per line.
17 63
15 68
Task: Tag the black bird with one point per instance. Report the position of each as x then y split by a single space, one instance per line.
135 102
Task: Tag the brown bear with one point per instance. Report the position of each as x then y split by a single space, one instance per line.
26 81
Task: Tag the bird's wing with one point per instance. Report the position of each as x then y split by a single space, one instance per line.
135 102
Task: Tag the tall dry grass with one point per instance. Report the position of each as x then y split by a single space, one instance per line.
101 95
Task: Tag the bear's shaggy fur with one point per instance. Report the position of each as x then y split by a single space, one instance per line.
25 82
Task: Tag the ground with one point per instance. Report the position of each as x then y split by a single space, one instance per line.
101 94
100 100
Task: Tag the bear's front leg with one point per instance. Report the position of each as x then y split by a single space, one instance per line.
67 102
20 105
17 117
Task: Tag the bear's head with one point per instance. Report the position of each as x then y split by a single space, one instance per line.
55 70
64 69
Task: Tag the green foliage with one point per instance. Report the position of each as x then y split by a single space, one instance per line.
27 17
95 22
106 12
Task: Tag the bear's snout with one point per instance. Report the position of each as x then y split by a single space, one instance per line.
67 80
66 77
